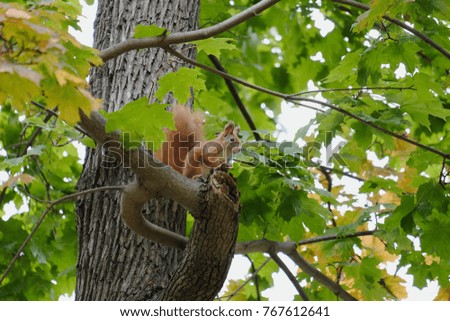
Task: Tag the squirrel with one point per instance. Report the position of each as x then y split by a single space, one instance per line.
186 149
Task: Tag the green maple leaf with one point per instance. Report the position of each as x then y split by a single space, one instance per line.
213 46
139 120
142 31
180 84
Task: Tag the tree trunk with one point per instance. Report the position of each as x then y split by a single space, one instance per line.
113 262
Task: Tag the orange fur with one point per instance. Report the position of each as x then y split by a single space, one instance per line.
186 150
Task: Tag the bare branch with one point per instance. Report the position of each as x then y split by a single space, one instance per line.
340 172
44 214
182 37
323 238
290 276
255 278
320 277
324 90
237 99
290 249
400 24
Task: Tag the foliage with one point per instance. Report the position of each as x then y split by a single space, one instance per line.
377 75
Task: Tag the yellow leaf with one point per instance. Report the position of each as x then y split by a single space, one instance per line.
429 259
373 246
387 197
235 291
402 148
63 76
96 103
406 178
443 294
394 285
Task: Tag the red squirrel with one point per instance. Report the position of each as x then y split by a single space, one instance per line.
186 150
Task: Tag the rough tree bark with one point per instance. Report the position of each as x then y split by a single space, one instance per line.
113 262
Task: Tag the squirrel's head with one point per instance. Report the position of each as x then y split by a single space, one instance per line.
231 137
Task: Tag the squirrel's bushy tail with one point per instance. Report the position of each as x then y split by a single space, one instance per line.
188 133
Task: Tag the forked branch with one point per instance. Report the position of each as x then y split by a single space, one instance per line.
290 249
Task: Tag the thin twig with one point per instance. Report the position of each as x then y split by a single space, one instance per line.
44 214
40 106
256 277
324 90
323 238
329 180
230 296
401 24
237 99
340 172
290 276
223 74
379 128
37 132
54 113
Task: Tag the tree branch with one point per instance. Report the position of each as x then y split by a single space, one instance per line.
251 277
340 172
320 277
44 214
158 179
295 99
290 276
182 37
375 126
256 277
323 238
237 99
400 24
290 249
324 90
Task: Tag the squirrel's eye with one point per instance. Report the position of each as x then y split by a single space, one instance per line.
232 139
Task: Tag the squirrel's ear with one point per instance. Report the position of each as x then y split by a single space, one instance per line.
236 130
229 128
